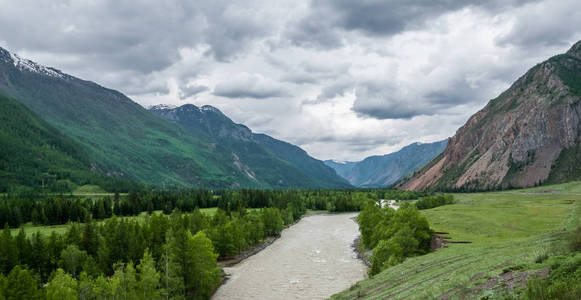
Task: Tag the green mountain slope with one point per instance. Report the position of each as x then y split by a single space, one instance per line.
121 138
34 154
276 163
385 170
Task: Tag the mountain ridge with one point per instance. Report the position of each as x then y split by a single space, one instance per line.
266 158
385 170
526 136
123 139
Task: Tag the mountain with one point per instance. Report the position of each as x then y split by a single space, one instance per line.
121 139
528 135
277 163
33 153
385 170
342 168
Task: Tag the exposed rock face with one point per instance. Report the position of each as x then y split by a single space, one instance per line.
518 138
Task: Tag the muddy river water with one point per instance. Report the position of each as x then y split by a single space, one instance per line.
312 259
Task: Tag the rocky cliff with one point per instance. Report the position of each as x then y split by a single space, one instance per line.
526 136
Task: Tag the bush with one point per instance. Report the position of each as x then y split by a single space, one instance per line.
434 201
563 283
393 235
575 240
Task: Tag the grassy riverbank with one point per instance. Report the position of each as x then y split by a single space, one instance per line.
507 230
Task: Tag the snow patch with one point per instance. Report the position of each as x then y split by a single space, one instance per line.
28 65
162 106
210 108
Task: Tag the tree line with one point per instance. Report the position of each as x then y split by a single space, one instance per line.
434 201
46 209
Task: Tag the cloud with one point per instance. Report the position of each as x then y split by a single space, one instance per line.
330 20
250 86
382 100
540 25
342 79
192 90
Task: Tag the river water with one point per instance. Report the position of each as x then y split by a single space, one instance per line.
312 259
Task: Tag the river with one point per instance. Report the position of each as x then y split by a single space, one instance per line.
312 259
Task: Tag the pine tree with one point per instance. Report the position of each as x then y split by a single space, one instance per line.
116 205
73 235
24 248
54 249
40 256
89 238
8 251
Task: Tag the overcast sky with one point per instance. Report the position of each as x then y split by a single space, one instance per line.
342 79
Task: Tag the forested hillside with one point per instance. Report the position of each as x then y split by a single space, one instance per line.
276 163
35 154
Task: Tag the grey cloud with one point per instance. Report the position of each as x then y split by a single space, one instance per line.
539 26
250 86
314 31
332 90
192 90
324 27
382 100
459 92
122 34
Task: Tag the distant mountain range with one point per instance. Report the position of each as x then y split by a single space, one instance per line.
385 170
118 138
528 135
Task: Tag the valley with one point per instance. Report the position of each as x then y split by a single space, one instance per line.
311 149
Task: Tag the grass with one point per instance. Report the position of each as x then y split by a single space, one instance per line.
90 190
507 229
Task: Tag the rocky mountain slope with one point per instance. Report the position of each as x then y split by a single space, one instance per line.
385 170
262 157
528 135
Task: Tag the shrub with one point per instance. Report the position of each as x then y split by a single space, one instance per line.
575 240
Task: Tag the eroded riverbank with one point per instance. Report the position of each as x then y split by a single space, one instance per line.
311 260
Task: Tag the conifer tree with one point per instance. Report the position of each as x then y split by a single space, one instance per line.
8 251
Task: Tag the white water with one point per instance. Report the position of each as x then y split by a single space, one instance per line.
311 260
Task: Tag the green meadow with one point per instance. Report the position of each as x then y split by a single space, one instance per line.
507 230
